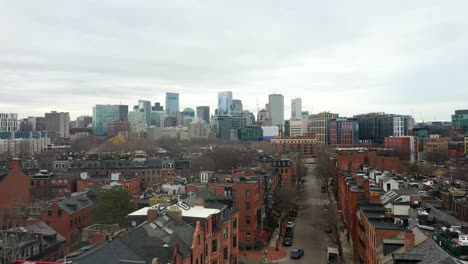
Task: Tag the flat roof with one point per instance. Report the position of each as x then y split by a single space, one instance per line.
199 212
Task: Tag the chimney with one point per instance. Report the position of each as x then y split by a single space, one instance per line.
135 199
175 213
409 240
374 197
152 214
365 186
359 180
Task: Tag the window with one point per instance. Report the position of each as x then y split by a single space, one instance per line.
234 222
214 246
198 239
234 241
247 220
225 233
27 253
206 249
59 212
225 253
247 206
247 193
35 249
49 212
247 236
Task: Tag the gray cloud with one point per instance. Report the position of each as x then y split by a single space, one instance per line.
348 57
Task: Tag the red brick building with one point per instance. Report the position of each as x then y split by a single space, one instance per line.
343 132
247 195
305 146
355 158
69 216
47 185
14 186
129 182
373 228
406 146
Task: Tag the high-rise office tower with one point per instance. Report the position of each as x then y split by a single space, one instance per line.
123 112
58 122
106 114
237 105
224 103
145 107
203 112
9 122
172 103
296 108
276 109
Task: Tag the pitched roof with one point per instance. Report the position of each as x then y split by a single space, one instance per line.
75 203
432 253
155 239
111 253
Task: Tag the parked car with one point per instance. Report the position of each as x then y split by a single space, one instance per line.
288 241
289 231
297 253
323 189
290 224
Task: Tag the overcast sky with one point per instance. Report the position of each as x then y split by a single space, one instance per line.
345 56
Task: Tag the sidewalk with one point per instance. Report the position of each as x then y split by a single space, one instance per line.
273 254
346 247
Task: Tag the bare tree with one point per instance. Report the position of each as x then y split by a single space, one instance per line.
84 144
436 156
322 169
333 227
12 235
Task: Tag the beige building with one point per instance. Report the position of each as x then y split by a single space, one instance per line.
317 124
466 145
24 146
297 127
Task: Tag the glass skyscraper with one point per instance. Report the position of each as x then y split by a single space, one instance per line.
145 107
105 114
172 103
224 103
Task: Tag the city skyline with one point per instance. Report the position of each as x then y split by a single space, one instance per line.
350 58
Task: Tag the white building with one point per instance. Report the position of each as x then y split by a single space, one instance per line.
25 146
296 108
275 109
9 122
270 132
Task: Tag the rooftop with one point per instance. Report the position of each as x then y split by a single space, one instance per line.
199 212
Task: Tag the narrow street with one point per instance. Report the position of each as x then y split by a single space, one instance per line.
308 233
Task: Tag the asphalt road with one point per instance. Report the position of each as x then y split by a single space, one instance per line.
308 232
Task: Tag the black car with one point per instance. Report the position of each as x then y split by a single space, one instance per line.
293 213
288 240
289 231
297 253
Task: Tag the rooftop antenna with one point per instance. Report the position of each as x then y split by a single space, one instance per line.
258 108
